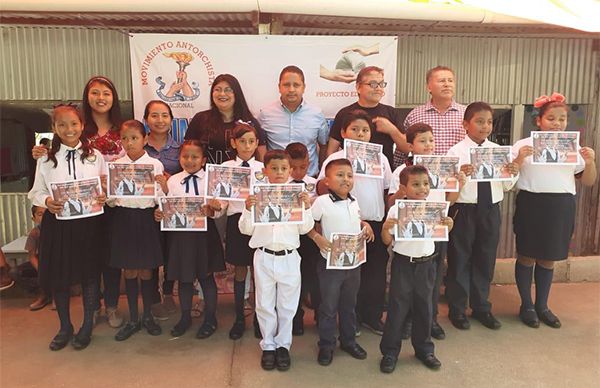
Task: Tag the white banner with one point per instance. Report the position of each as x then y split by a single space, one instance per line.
161 63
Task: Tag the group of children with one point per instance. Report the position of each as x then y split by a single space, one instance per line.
289 259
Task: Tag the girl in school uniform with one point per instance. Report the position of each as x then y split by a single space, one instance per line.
237 251
194 255
102 118
545 213
135 237
68 255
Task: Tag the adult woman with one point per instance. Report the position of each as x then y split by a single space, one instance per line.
161 145
102 118
213 126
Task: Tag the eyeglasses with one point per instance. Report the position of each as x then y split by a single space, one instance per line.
227 90
375 84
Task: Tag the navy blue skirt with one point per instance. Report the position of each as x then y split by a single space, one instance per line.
193 255
237 245
135 241
70 252
543 224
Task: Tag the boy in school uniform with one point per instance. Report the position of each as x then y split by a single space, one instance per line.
420 141
308 249
412 281
338 212
32 246
474 240
370 193
276 268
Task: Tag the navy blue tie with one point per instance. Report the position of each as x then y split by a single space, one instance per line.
71 161
245 164
186 180
484 194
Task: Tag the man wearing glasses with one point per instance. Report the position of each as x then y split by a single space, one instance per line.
370 87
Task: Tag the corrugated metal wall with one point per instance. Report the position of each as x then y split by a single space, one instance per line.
48 63
505 70
16 221
53 63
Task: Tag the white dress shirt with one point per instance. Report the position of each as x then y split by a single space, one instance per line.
46 173
177 187
434 195
336 215
468 194
140 203
234 207
275 237
409 248
367 190
541 178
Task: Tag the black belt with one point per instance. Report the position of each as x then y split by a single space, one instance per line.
421 259
277 253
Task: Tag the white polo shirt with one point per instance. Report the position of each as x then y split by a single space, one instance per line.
409 248
368 191
336 215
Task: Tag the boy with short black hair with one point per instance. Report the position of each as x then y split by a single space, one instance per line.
370 193
276 268
308 250
411 282
338 212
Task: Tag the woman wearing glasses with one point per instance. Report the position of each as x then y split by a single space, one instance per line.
213 127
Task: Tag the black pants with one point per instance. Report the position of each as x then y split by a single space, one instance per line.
338 296
371 295
472 257
309 252
411 286
441 249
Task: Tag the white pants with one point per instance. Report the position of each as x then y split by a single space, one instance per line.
277 285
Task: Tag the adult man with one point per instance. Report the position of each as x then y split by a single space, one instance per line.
291 119
370 86
445 116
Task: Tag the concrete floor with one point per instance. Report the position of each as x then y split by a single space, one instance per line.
514 356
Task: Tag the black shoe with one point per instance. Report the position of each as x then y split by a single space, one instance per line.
430 361
81 340
529 317
460 321
206 330
388 364
487 319
375 326
128 330
151 326
406 329
355 351
61 340
282 359
267 361
237 330
549 318
325 357
437 331
180 328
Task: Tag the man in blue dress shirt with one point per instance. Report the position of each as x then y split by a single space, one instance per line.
291 119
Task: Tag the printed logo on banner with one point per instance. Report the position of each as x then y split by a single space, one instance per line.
177 72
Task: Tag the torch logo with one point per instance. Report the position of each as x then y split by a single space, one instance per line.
180 90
